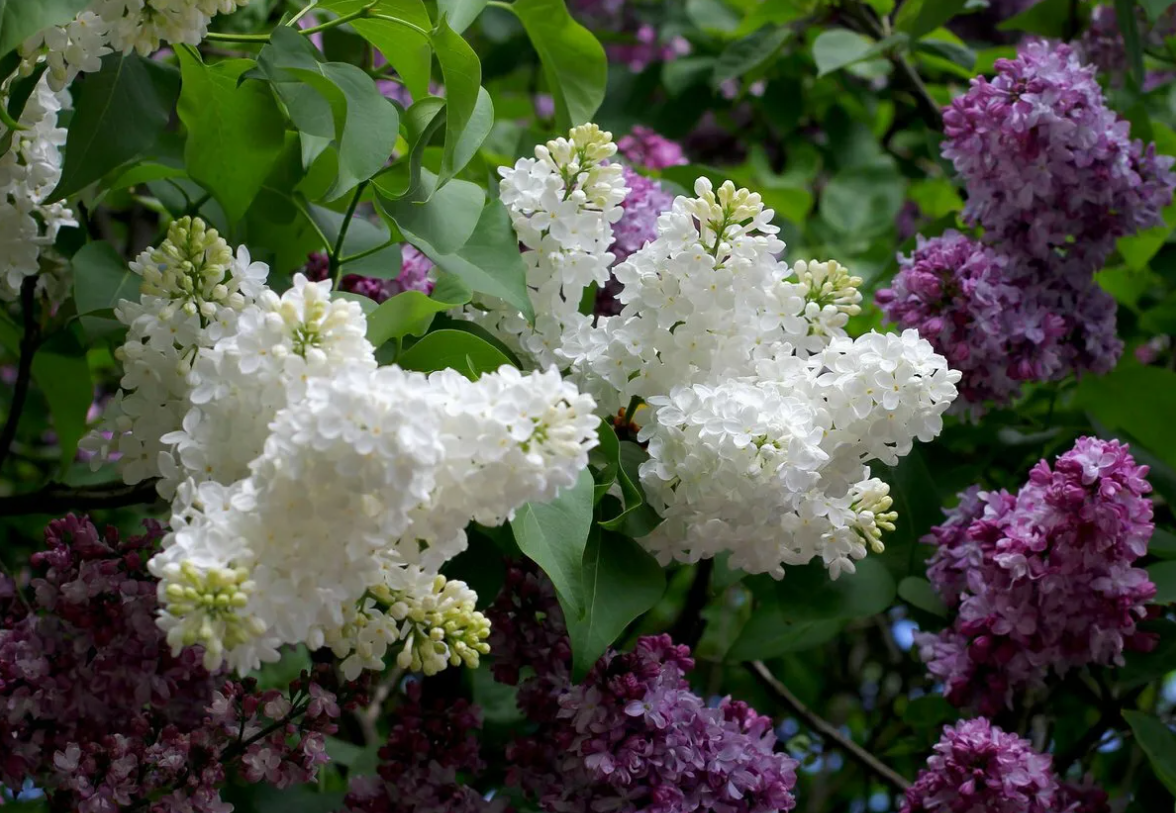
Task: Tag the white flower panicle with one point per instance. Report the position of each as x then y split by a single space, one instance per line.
563 203
192 291
29 171
370 474
120 26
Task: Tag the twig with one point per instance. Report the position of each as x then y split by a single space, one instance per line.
55 498
825 728
689 626
337 251
923 98
368 716
24 372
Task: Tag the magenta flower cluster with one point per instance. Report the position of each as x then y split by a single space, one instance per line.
413 276
1054 179
643 147
978 768
633 736
95 709
1043 580
431 743
639 43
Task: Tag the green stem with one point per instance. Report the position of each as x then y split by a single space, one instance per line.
346 18
217 36
500 4
336 266
403 23
366 253
301 206
634 402
293 21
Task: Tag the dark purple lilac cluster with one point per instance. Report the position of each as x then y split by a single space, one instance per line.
632 736
95 709
1102 42
413 276
1053 178
635 42
431 744
1043 580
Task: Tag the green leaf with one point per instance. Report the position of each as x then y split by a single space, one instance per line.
1136 399
453 349
620 581
768 634
358 759
362 235
1155 8
21 19
573 61
554 536
405 49
747 54
443 218
918 592
463 94
838 47
917 18
1128 27
1049 18
489 262
930 711
422 120
101 279
1162 544
407 314
863 201
639 518
936 197
807 593
235 133
119 114
1144 667
917 501
1158 742
1163 574
460 13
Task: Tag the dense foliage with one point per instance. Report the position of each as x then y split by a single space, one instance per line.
588 406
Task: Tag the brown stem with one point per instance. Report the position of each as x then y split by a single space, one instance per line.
24 371
56 498
825 728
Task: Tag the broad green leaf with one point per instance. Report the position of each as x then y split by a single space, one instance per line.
462 72
1136 399
1128 27
790 202
19 93
443 218
838 47
554 536
930 711
405 49
773 13
1049 18
936 197
573 61
1143 667
407 314
101 279
456 349
918 592
917 501
235 133
1139 248
1158 742
961 57
607 458
21 19
620 581
864 201
680 75
639 518
1155 8
359 760
120 111
713 16
477 129
421 121
768 634
807 593
460 13
1162 544
917 18
489 262
141 172
746 54
1163 575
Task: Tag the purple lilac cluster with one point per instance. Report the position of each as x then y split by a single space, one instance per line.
413 276
999 319
645 148
1043 580
1102 43
430 744
1053 179
642 44
632 736
978 768
96 710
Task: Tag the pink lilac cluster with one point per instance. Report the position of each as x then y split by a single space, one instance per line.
641 44
1102 42
999 319
632 736
1053 179
1043 580
97 712
431 744
643 147
413 276
978 768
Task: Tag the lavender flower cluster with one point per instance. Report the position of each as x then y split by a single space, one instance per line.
638 43
1054 179
413 276
1043 580
632 736
978 768
95 709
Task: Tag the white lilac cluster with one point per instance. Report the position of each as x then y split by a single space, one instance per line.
316 495
764 413
563 203
120 26
29 171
